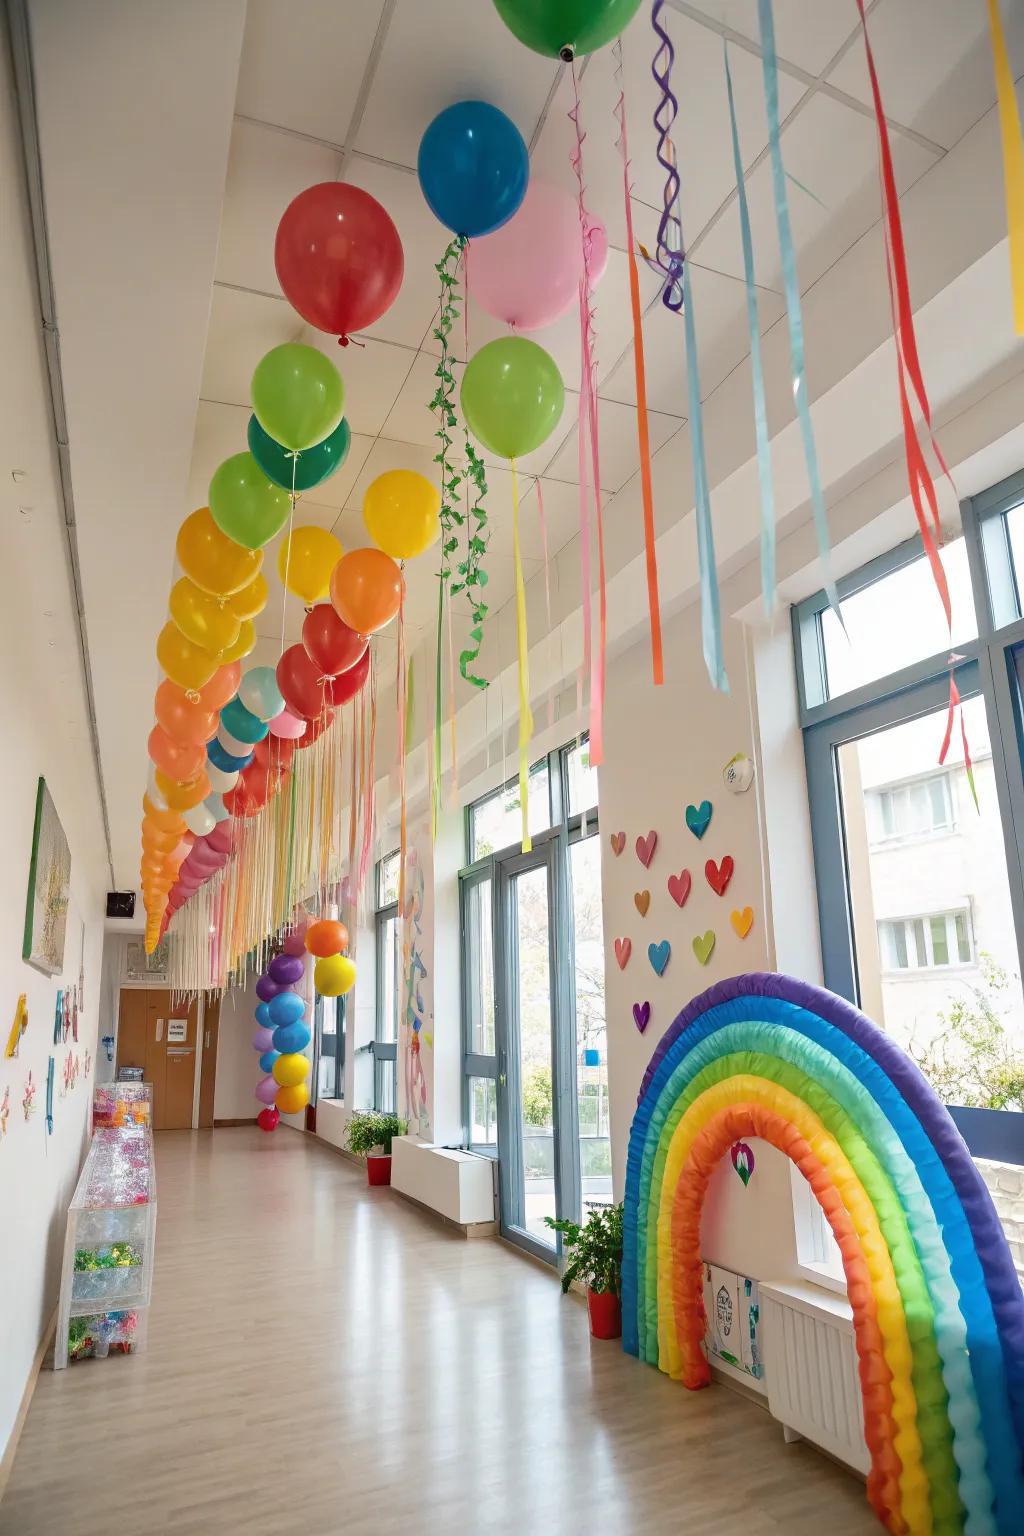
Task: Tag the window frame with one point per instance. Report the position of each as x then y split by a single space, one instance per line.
384 1052
926 919
319 1009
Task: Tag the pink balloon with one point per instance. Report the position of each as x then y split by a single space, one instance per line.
220 839
266 1090
528 272
288 726
263 1040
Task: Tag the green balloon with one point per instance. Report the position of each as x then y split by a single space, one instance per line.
566 29
310 468
245 504
512 396
297 395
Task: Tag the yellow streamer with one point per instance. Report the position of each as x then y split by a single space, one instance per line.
1013 160
525 713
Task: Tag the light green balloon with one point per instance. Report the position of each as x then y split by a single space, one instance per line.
297 395
244 504
512 396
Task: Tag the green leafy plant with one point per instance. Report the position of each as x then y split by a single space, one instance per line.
972 1061
367 1130
537 1096
595 1249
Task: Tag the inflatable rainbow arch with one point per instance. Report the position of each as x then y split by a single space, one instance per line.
938 1308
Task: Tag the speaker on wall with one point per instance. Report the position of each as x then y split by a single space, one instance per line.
120 903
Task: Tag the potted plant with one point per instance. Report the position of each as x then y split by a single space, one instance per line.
595 1258
370 1135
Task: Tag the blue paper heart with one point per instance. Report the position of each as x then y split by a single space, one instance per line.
698 817
659 955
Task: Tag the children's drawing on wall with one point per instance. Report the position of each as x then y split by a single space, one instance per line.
49 888
415 1036
733 1314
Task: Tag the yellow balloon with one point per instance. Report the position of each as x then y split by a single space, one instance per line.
334 975
213 561
290 1070
182 797
188 665
400 511
252 599
313 555
205 620
290 1100
243 645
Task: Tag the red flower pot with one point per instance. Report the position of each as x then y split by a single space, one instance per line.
378 1168
605 1315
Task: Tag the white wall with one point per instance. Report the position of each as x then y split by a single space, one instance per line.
45 729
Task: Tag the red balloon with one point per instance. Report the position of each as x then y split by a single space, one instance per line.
329 642
267 1118
273 752
338 258
315 729
338 690
301 683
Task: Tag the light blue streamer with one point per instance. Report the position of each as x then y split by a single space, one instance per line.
791 286
764 452
710 614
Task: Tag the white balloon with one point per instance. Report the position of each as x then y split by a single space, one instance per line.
215 805
153 791
221 782
200 819
232 746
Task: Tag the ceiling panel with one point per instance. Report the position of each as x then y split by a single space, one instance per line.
934 62
302 65
808 33
441 51
619 452
832 150
243 326
373 372
265 171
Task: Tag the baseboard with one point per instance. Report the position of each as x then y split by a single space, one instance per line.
321 1141
11 1448
470 1230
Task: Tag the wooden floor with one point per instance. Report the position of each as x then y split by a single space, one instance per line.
325 1358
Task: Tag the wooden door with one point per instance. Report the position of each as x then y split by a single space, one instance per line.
132 1031
208 1071
173 1037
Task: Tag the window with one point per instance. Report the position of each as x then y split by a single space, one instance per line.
495 822
329 1025
580 777
920 889
388 959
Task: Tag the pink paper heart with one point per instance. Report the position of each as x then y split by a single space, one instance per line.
645 847
641 1015
679 887
623 950
618 842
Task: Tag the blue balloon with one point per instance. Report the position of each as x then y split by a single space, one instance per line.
267 1060
263 1018
286 1008
221 759
473 168
241 724
290 1038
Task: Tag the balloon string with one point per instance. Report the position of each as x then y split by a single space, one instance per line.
525 714
1013 159
288 550
400 683
451 711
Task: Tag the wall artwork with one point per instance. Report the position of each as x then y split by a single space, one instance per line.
5 1110
732 1317
19 1026
49 888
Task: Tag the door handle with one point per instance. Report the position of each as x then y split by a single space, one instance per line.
502 1068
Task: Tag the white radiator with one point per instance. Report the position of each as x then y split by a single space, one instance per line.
811 1369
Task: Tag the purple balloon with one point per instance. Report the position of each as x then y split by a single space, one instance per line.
263 1040
267 987
295 943
267 1090
286 969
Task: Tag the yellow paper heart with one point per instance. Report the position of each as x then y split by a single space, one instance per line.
642 901
743 921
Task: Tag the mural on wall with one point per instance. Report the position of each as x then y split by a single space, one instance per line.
415 1036
733 1317
49 888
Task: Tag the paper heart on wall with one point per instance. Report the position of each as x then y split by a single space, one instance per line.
679 887
742 1160
703 945
618 842
698 817
623 950
743 921
719 875
642 900
645 847
659 955
641 1015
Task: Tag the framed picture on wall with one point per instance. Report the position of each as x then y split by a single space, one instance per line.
49 888
138 966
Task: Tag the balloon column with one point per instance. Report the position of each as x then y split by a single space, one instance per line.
334 973
282 1035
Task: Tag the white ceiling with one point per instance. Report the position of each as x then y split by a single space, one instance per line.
344 89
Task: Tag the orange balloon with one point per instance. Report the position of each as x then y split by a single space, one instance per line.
182 796
326 938
168 820
178 761
186 664
205 620
156 841
366 590
183 717
212 560
252 599
243 645
221 688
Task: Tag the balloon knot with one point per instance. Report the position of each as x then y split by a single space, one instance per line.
567 53
343 341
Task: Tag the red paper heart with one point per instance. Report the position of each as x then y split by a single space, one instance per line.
719 875
679 887
623 950
645 847
618 842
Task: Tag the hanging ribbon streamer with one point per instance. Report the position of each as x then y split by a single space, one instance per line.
1013 160
640 372
370 787
791 287
908 368
435 756
454 790
525 713
594 658
542 520
677 294
402 706
764 452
